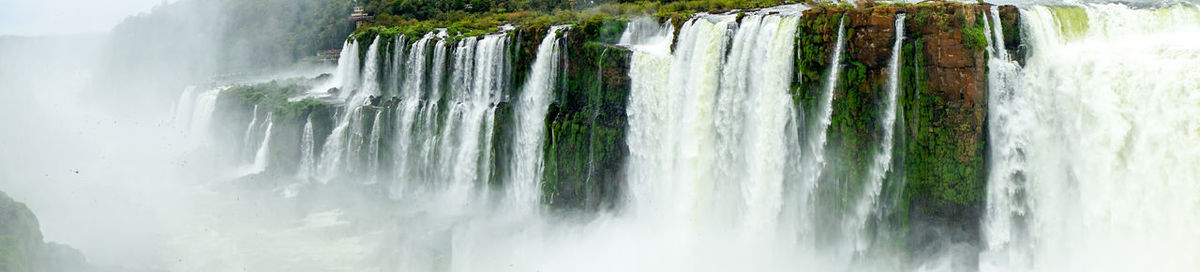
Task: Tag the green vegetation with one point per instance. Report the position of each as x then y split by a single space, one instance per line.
416 17
816 35
21 245
19 236
974 37
270 94
585 135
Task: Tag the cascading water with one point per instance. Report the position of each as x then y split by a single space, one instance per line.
678 190
193 115
648 114
348 71
373 146
308 157
1099 139
247 140
1092 148
709 123
812 165
881 165
526 162
182 112
262 153
340 149
1009 128
437 147
406 160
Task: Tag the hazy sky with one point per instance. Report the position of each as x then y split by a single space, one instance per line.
55 17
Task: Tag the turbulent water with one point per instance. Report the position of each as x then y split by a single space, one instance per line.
1092 153
1095 155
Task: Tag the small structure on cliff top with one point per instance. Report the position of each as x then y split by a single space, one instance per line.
359 15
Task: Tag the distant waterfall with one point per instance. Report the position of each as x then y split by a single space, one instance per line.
372 146
881 165
262 155
193 114
182 113
526 163
247 144
1098 137
307 146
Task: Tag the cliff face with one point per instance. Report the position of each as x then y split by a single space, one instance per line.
932 195
585 148
21 245
936 193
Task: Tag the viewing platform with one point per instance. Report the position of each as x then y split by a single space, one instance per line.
359 15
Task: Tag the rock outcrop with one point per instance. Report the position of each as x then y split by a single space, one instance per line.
22 248
941 180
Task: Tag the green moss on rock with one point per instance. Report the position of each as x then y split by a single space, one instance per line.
21 245
585 136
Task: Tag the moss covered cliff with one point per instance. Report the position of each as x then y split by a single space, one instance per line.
936 190
585 147
933 194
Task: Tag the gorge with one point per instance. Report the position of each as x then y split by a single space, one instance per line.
933 136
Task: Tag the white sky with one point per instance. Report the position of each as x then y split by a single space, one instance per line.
57 17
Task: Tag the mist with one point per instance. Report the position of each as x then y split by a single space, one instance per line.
89 143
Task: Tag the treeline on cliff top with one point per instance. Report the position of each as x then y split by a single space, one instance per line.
473 17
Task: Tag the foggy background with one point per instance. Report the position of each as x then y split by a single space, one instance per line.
86 90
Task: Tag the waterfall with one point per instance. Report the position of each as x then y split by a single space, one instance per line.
525 167
813 163
410 96
476 130
370 76
648 112
398 63
262 155
307 155
201 117
249 135
334 149
1008 127
437 149
753 109
373 146
348 71
881 165
708 123
340 149
1098 137
182 112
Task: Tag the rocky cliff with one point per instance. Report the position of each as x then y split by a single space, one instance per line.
933 195
22 248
